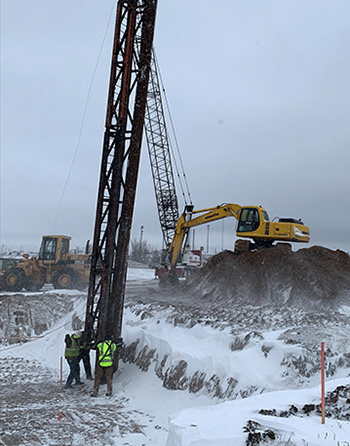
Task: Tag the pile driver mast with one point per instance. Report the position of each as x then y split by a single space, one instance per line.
133 40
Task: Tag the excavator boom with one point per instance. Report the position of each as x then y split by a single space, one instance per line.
208 215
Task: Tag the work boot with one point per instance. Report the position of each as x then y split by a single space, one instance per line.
80 383
109 394
94 395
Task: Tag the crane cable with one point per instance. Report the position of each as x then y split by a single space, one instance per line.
175 154
84 115
181 176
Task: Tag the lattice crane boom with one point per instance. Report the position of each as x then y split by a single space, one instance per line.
160 159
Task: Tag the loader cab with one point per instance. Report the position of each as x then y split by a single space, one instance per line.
54 248
250 219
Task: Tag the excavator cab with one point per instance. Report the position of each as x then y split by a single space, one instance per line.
251 219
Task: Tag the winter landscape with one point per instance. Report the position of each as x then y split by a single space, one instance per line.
231 356
198 368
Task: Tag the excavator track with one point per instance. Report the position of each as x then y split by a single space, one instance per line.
242 246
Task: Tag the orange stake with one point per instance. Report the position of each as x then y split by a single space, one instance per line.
60 416
322 383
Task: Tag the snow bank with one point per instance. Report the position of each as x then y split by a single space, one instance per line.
222 425
140 274
207 360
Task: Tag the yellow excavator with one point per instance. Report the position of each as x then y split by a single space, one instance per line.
253 223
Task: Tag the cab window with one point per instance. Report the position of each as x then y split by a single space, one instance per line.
48 249
249 220
64 246
265 215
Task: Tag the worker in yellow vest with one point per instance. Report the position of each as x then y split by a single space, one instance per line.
104 364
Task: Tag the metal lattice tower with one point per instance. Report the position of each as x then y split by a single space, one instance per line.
133 40
160 160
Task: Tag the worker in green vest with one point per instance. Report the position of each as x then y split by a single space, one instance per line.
104 364
71 354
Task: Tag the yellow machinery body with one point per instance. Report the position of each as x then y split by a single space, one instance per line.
253 223
54 264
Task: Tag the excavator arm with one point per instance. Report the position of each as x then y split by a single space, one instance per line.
205 216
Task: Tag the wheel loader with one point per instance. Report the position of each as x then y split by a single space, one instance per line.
54 265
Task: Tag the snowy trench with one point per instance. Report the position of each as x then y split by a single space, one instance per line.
177 385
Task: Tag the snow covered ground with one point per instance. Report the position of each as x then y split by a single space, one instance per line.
167 391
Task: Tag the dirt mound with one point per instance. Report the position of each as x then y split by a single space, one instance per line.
313 276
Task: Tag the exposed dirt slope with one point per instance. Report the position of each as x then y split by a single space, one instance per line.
30 314
312 277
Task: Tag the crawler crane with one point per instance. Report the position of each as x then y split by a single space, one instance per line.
133 102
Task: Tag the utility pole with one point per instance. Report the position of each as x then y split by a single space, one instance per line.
208 228
222 235
141 235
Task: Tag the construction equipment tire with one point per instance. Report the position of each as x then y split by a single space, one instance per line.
81 286
64 278
30 286
14 279
242 246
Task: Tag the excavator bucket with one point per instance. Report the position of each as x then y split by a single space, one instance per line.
169 280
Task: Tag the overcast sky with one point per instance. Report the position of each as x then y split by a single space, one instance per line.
259 92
